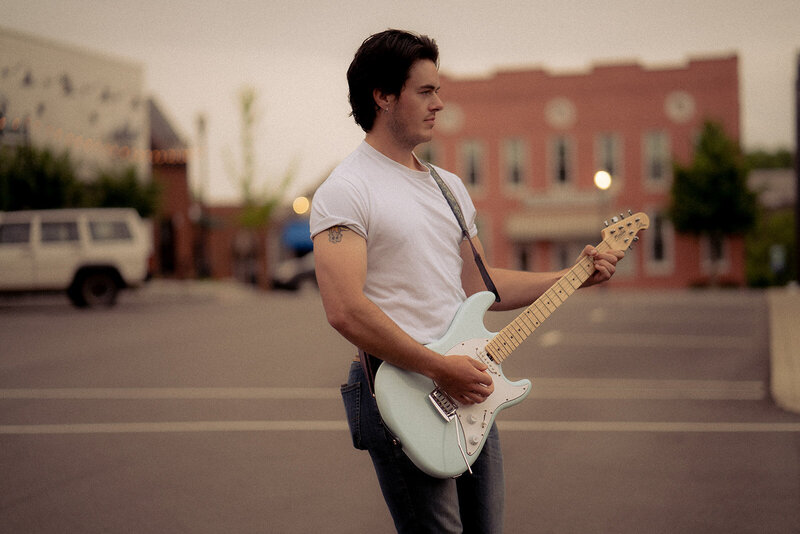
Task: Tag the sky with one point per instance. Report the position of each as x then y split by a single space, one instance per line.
198 55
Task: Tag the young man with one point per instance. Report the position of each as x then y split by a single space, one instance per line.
393 268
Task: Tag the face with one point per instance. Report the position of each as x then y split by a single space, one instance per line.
412 115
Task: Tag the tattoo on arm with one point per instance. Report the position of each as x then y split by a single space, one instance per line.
335 233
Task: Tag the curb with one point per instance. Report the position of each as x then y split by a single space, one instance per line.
784 315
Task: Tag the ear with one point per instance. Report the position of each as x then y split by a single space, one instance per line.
382 100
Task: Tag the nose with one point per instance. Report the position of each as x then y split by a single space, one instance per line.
437 104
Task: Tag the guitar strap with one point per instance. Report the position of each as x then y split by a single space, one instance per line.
369 363
451 200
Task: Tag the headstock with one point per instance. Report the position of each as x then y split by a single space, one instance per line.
620 232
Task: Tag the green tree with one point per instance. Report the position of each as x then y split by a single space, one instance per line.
122 188
770 249
710 196
34 178
259 206
761 159
38 178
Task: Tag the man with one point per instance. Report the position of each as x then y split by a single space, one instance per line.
393 268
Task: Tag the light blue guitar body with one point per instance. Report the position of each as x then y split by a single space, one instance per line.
442 438
440 445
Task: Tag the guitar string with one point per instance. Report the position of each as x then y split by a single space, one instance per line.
505 342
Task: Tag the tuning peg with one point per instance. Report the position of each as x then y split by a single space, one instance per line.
605 223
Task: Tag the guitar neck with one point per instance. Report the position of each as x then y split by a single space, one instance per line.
518 330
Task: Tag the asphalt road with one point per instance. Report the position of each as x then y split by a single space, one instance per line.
206 408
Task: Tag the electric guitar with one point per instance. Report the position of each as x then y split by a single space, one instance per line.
442 437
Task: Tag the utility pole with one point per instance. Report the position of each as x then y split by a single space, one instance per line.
201 245
797 173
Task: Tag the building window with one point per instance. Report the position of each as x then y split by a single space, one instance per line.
660 236
522 257
472 163
428 152
561 157
608 153
714 252
657 157
514 161
565 253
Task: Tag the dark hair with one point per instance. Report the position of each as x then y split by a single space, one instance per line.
383 62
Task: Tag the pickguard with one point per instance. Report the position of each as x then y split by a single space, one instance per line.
476 419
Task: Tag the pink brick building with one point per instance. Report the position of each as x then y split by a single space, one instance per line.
528 144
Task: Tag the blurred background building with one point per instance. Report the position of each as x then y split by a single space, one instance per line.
529 143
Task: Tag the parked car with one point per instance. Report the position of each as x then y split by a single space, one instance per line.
293 273
89 253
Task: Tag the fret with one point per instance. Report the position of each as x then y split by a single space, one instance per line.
512 336
566 288
587 268
537 313
541 310
555 298
530 319
494 353
508 338
498 351
519 327
525 319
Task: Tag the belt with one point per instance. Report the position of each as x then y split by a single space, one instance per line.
369 364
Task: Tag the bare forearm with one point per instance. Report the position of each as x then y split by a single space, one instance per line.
519 288
369 328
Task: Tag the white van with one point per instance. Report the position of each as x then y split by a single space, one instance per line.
89 253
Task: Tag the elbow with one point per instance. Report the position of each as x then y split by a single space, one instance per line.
343 319
339 320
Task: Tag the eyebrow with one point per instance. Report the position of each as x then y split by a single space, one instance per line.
429 86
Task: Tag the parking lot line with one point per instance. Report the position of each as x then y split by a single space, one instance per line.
340 426
644 426
171 393
544 388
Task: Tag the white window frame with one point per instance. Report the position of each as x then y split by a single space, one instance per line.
660 228
657 150
601 155
571 150
515 155
472 148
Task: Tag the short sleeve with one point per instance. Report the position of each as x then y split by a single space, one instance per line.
337 202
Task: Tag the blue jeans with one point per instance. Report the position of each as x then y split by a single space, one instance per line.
418 502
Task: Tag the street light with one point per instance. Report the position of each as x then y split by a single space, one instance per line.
301 205
602 179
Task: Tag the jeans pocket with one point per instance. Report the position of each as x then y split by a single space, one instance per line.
351 395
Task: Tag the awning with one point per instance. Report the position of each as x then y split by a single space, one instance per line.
554 226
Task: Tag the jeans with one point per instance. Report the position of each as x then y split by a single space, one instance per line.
419 503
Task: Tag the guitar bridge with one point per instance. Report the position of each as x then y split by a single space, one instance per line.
445 405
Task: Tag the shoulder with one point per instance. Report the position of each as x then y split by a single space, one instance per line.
454 182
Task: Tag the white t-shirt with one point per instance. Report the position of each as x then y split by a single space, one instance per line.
413 238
